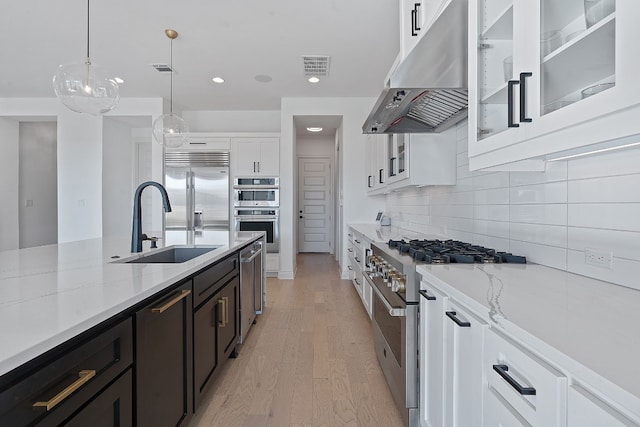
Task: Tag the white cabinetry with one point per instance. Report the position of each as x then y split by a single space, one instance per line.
358 250
587 410
521 386
206 141
376 158
451 341
415 17
255 157
535 71
414 160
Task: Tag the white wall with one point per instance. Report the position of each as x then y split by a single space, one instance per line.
357 207
315 146
80 160
9 236
37 183
117 178
551 217
232 121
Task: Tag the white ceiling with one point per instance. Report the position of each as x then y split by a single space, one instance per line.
233 39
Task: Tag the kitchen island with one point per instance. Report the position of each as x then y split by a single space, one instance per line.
57 299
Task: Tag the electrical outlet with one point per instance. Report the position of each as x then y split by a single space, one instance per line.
598 258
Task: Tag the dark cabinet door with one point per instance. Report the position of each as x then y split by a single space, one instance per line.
228 319
205 360
111 408
164 371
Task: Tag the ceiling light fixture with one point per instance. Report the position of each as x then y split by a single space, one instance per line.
313 80
85 87
218 80
170 129
314 129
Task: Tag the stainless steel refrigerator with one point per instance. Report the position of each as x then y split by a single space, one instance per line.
198 188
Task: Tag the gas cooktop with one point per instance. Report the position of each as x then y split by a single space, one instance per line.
452 251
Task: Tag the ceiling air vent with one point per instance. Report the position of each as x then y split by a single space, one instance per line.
316 65
162 68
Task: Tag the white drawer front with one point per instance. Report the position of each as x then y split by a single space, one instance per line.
586 410
498 412
546 406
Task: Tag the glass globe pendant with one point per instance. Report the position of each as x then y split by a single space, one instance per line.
85 87
170 130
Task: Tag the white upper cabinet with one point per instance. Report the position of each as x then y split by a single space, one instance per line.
255 157
376 163
546 76
415 17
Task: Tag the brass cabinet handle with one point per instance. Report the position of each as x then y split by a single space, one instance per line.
226 310
166 306
222 302
83 377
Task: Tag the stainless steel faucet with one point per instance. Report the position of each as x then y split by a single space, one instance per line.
136 233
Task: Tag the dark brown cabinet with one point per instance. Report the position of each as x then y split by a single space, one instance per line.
53 387
164 360
215 322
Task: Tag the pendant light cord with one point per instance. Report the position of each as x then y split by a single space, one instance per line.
171 85
88 57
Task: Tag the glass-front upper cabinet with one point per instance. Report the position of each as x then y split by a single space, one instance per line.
544 66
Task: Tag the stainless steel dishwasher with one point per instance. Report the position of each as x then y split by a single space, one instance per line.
250 287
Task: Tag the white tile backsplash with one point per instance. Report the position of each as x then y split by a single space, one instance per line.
550 217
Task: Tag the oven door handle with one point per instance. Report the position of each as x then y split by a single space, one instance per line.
394 312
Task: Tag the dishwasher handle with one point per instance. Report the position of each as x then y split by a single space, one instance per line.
253 256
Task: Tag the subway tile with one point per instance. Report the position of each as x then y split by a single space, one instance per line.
462 159
494 242
491 228
491 180
463 171
497 196
491 212
552 235
624 271
610 216
555 171
550 256
623 244
453 211
623 188
555 192
464 184
621 162
550 214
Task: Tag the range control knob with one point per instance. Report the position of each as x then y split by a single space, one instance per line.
398 284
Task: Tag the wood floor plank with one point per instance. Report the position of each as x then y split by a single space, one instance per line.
308 361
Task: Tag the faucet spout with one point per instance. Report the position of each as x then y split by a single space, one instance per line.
136 232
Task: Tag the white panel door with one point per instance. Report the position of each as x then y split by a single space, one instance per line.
315 228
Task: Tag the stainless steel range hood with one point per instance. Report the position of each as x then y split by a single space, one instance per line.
427 92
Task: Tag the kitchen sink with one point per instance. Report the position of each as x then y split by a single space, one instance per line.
171 255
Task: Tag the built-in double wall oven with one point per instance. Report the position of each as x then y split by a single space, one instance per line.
256 204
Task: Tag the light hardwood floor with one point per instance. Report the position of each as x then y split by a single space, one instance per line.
309 361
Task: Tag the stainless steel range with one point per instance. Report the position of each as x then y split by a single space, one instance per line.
391 272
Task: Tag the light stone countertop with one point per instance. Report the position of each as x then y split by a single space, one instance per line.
49 294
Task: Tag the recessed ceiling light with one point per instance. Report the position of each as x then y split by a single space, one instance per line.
119 80
263 78
218 80
314 129
314 79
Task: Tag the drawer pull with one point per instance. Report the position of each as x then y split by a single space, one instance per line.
224 311
350 250
502 371
452 315
166 306
349 267
83 378
427 296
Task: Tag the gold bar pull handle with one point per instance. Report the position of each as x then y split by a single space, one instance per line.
83 378
166 306
226 310
222 303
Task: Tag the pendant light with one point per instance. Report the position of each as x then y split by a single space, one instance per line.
170 129
85 87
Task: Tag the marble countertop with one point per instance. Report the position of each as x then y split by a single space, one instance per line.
582 322
49 294
383 233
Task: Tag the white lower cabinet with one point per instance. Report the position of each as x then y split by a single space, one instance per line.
358 251
587 410
521 384
451 338
431 340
